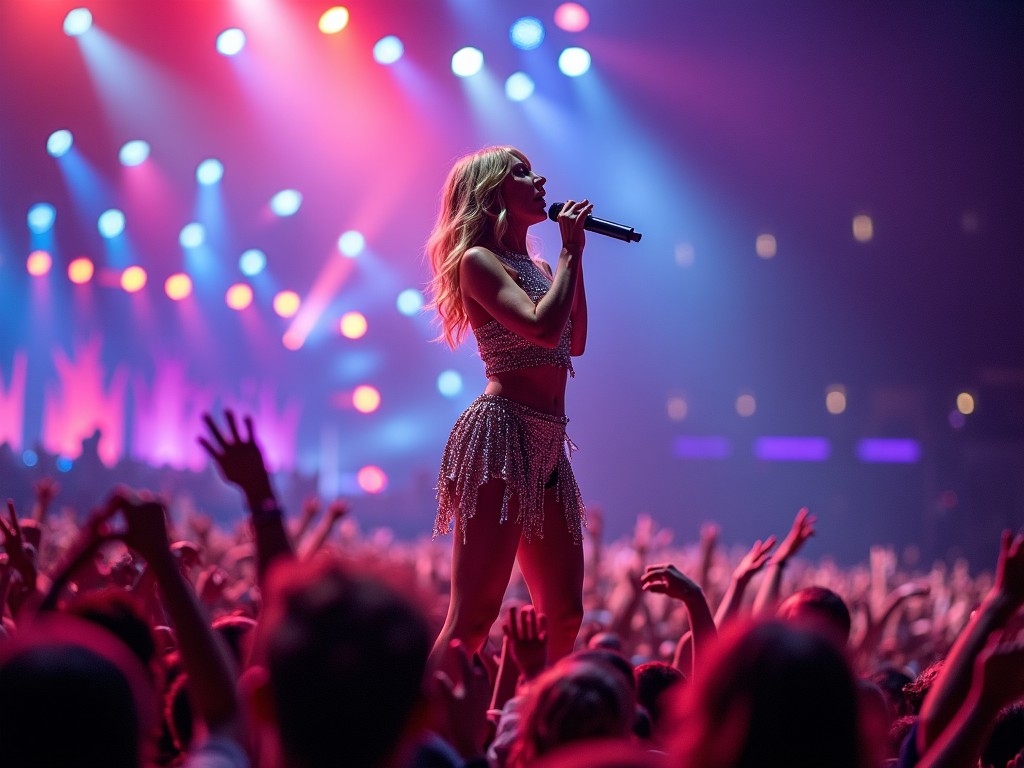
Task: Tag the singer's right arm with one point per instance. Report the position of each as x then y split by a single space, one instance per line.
486 282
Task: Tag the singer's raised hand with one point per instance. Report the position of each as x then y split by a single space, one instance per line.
571 220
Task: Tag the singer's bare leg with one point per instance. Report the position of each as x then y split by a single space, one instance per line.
481 568
553 570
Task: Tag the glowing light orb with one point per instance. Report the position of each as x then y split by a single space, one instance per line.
409 302
178 286
77 22
64 464
29 457
192 235
286 303
38 263
863 228
351 243
372 479
286 202
572 17
365 399
210 171
110 223
467 61
388 50
333 20
766 246
677 408
835 399
965 403
574 62
238 296
526 33
353 325
746 405
81 270
252 262
133 153
230 42
133 279
519 86
449 383
41 217
292 340
59 143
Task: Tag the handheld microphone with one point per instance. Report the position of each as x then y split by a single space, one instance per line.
600 226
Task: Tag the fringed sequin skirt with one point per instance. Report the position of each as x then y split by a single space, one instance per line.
500 439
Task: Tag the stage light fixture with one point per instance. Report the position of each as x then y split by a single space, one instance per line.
449 383
59 143
230 42
286 202
38 263
372 479
333 20
77 22
252 262
351 243
366 399
572 17
81 270
519 86
766 246
286 303
192 235
238 296
574 62
353 325
134 153
41 217
526 33
178 286
110 223
133 279
467 61
409 302
388 50
209 172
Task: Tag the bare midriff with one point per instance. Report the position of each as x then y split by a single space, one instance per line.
541 388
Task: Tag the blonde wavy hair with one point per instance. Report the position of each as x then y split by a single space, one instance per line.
472 213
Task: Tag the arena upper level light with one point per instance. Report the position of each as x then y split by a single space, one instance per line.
467 61
409 302
209 172
230 42
574 62
252 262
133 279
519 86
388 50
110 223
134 153
351 243
59 143
178 286
41 218
572 17
333 20
238 296
192 235
526 33
81 270
77 22
286 202
38 263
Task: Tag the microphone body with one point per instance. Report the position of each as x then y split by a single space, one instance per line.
600 226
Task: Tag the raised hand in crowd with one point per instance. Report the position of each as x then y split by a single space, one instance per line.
21 559
801 530
240 462
668 580
46 490
748 567
462 703
337 510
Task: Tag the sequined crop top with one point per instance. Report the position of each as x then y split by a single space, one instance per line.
501 349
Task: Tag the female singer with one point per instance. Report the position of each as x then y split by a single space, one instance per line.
505 482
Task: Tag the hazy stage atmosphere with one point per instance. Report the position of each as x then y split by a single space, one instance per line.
224 203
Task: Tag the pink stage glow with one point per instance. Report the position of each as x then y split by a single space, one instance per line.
168 417
12 400
81 402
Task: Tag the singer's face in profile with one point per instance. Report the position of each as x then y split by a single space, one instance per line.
523 192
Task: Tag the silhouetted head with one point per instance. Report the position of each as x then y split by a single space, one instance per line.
771 693
346 657
653 679
821 609
73 696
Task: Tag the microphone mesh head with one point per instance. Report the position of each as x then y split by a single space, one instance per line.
554 209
